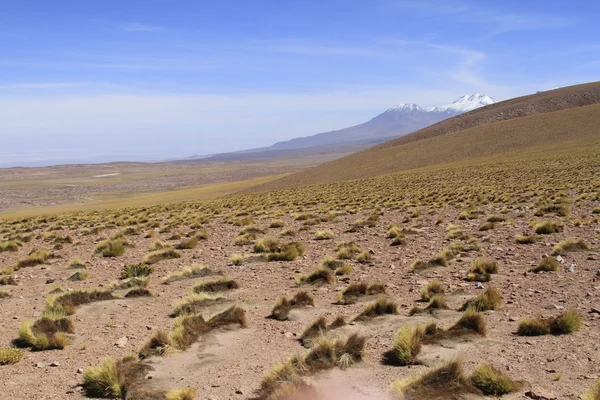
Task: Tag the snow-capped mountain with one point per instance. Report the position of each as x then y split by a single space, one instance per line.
469 103
396 121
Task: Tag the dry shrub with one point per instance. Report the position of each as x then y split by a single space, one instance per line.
488 300
481 270
381 306
195 271
215 285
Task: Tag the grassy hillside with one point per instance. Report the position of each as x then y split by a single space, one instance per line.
510 125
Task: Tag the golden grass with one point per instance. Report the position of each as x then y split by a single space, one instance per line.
195 271
10 356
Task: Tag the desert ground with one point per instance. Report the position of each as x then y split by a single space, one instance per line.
106 286
62 188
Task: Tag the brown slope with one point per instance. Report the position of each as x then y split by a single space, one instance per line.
488 125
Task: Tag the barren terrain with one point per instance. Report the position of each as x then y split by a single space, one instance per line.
429 210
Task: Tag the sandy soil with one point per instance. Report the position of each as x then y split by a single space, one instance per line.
229 364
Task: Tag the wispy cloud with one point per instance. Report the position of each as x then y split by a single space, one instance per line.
137 27
493 20
467 68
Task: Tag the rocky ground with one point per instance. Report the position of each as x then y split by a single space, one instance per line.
230 363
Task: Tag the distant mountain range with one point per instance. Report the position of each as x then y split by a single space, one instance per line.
397 121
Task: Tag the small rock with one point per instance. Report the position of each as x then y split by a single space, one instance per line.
595 310
122 342
239 391
40 365
80 370
539 393
48 281
288 335
572 268
512 319
54 364
559 259
479 285
598 274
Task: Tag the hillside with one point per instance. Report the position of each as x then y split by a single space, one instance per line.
545 117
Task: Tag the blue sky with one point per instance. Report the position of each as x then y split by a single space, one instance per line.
100 80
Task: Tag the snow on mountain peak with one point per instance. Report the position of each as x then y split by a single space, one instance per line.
465 103
405 107
469 102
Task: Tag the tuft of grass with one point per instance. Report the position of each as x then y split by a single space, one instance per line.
495 218
488 300
481 270
318 276
45 333
67 301
111 247
313 332
565 323
217 284
277 223
302 299
486 226
324 235
159 255
407 345
352 293
287 232
364 257
432 288
524 239
195 271
491 381
114 378
548 227
236 259
547 264
11 245
136 271
36 257
10 356
533 327
281 309
570 245
444 382
593 393
4 294
347 250
138 292
182 394
188 328
381 306
286 378
76 263
189 244
102 380
194 303
470 320
158 344
8 280
266 245
287 252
